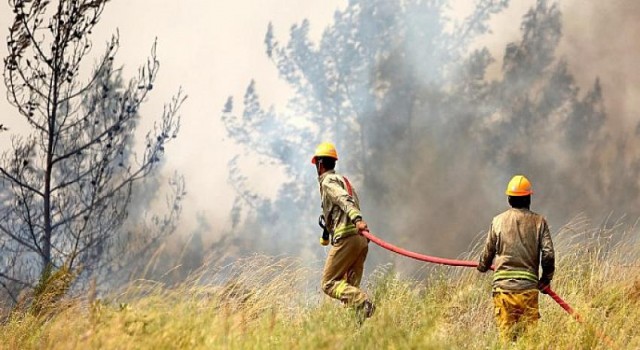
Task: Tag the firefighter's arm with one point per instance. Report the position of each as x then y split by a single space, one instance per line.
488 252
547 254
340 197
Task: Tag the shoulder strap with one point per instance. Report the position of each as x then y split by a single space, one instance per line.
348 184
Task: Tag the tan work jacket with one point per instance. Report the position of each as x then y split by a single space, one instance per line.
520 242
340 209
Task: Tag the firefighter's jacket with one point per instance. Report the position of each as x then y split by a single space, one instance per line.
520 242
340 204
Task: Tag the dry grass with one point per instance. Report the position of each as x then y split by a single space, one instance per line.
269 303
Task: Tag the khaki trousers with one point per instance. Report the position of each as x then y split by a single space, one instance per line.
344 268
515 312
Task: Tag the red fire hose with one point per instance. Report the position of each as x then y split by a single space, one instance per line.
467 263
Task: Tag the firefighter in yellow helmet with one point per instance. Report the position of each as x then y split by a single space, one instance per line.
342 219
518 243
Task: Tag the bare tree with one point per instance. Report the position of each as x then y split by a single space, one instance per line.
66 187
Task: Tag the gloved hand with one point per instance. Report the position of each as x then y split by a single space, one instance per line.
542 284
361 225
326 237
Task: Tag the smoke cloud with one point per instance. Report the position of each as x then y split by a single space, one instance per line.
431 126
428 135
599 40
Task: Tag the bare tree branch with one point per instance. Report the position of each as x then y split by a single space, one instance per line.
19 183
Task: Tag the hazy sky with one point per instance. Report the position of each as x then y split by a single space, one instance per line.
210 48
213 48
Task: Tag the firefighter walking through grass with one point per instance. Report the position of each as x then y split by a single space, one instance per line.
520 242
342 219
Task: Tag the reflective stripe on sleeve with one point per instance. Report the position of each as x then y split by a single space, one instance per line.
345 230
353 213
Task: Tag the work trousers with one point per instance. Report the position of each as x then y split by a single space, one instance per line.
344 268
515 311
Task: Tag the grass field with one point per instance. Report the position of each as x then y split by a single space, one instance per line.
273 303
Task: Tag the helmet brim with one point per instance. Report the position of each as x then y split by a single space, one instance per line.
518 194
314 159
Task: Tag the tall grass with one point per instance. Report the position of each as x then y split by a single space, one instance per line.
273 303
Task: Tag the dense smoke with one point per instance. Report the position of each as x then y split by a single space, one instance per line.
429 141
599 40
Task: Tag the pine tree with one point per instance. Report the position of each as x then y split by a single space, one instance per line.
67 186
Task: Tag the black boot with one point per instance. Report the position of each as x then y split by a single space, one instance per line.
364 311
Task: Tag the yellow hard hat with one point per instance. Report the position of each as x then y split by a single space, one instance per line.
519 186
325 149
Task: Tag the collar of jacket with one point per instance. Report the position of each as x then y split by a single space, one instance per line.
325 174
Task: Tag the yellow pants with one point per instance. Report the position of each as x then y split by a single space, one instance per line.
344 268
515 312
